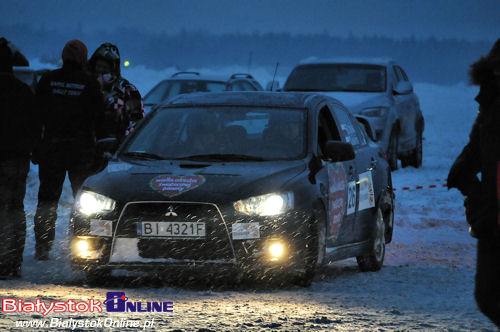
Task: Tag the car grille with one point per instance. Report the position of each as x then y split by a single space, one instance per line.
214 246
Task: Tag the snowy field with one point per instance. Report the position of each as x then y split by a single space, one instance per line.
426 283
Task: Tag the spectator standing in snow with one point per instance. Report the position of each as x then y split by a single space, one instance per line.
18 135
71 111
123 102
482 155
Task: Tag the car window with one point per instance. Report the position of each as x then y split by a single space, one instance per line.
337 77
360 131
243 86
347 126
25 76
403 74
267 133
398 73
327 130
170 88
215 86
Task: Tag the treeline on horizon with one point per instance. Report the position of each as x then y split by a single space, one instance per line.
440 61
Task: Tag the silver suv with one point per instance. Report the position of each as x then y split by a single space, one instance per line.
379 94
186 82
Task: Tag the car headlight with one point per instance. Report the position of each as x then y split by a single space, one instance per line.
374 111
266 205
89 202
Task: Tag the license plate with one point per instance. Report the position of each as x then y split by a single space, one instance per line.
171 229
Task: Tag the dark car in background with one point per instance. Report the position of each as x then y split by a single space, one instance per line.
187 82
29 76
378 92
261 182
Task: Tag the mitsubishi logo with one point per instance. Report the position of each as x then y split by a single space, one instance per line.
170 212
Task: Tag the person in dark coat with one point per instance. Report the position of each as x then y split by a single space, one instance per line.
71 110
18 135
482 155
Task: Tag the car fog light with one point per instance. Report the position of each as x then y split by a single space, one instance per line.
86 248
276 250
82 247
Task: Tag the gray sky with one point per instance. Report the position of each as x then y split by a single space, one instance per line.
468 19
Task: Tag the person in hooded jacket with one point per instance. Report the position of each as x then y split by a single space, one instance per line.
123 102
18 136
482 155
72 111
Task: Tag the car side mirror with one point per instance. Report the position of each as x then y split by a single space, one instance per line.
272 86
403 88
339 151
109 144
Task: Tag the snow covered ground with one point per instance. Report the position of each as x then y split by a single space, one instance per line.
426 283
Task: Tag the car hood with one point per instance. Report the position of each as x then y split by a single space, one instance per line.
356 101
192 181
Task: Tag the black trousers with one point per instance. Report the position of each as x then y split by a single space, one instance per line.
487 291
52 174
13 174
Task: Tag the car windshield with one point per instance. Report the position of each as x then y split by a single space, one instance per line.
221 133
170 88
337 77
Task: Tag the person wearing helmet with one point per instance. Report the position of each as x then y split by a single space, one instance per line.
18 132
123 101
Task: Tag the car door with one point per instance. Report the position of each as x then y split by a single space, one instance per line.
407 113
341 186
365 164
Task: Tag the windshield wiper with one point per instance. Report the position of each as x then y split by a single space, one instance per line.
222 156
142 155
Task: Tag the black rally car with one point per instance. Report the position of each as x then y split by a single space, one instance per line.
259 181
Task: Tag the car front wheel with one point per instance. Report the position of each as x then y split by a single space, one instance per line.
315 249
416 154
374 259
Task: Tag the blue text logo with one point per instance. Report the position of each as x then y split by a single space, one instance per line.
119 302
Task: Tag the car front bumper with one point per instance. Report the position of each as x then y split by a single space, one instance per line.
279 243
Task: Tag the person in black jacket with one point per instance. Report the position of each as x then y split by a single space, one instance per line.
71 110
18 135
482 155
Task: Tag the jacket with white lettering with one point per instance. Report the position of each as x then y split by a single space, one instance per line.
71 110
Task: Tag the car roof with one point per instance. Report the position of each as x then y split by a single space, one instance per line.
249 98
196 76
382 61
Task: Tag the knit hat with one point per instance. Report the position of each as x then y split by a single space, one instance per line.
482 70
75 51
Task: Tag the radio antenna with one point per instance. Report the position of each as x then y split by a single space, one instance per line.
274 76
